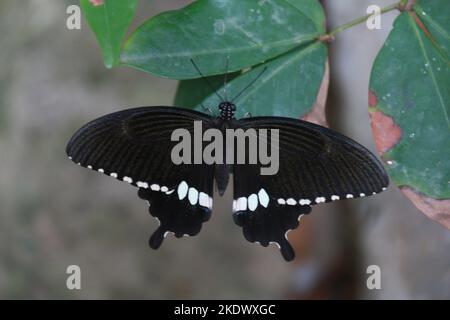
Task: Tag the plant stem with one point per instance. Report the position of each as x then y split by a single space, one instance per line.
364 18
403 2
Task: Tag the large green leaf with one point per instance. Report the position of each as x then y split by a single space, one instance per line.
248 32
410 101
109 19
289 87
313 10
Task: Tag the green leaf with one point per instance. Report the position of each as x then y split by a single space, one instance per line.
288 87
410 101
248 32
109 19
313 10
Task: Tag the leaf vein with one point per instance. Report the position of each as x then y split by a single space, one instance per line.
430 69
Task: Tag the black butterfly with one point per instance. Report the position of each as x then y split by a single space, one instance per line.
316 165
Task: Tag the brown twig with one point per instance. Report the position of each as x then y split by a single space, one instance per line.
326 38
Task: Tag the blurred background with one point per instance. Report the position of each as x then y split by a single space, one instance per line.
54 214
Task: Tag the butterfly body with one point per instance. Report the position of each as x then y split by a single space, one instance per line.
223 122
316 165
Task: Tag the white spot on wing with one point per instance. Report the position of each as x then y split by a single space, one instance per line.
241 204
101 170
141 184
193 195
263 198
304 202
164 189
349 196
182 190
128 179
114 175
154 187
203 199
281 201
334 198
252 202
210 202
320 199
291 202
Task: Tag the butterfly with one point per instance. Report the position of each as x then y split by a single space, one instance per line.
316 165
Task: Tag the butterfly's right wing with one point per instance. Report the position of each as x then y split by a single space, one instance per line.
316 165
135 146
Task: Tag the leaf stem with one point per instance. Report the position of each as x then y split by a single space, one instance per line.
362 19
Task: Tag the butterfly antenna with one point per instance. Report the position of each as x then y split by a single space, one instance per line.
206 108
225 80
249 85
206 80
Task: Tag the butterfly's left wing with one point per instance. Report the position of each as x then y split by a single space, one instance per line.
316 165
135 146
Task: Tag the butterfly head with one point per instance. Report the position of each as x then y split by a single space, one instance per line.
227 110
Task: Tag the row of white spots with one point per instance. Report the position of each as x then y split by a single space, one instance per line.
241 204
252 201
306 202
193 195
139 184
